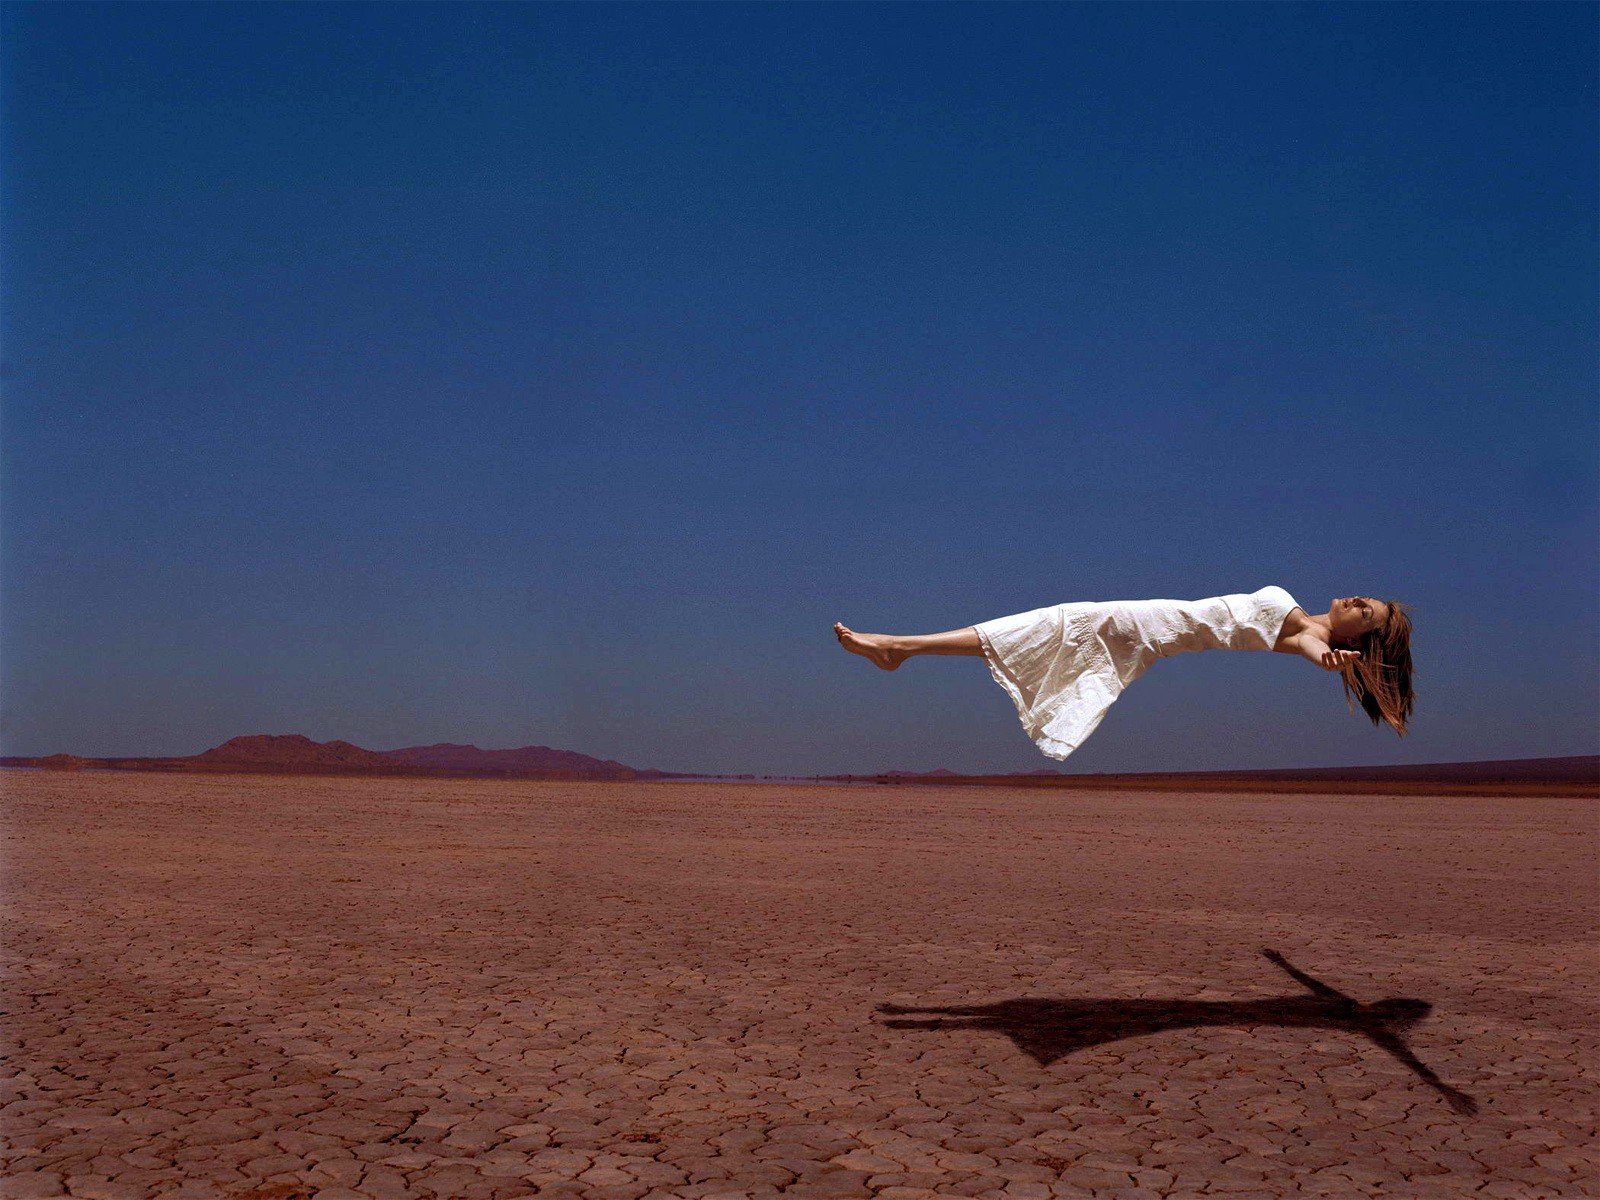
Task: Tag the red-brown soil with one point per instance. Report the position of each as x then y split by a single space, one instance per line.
253 986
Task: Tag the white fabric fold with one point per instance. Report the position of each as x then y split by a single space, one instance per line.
1065 665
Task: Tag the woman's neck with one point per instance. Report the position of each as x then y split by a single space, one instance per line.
1322 624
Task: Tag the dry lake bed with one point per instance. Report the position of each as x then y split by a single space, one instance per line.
246 986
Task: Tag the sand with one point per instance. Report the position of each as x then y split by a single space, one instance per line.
278 987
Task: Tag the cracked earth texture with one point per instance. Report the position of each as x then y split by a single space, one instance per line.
272 988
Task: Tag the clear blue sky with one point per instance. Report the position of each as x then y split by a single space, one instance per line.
524 374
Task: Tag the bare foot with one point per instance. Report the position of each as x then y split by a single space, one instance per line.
878 647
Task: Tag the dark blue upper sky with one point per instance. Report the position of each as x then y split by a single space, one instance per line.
524 374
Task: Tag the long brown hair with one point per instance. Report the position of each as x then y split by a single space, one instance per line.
1380 680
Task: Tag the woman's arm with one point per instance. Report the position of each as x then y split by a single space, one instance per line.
1315 650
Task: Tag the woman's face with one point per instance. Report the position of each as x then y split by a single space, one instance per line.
1352 616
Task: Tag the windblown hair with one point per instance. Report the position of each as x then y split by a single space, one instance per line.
1380 681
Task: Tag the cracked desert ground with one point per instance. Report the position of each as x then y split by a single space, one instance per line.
246 986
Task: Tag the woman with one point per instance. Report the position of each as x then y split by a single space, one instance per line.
1065 665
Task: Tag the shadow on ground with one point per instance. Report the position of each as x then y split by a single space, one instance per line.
1048 1030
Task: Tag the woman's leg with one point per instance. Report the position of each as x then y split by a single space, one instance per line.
890 650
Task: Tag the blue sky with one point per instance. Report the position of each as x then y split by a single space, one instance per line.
559 374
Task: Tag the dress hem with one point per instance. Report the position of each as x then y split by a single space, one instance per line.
1049 746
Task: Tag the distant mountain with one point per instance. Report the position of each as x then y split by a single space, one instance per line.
1572 768
453 756
296 754
289 750
1577 774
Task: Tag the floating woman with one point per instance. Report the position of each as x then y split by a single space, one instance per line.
1066 664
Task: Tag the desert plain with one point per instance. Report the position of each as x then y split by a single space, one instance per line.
280 987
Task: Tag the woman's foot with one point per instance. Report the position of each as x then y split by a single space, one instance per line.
879 647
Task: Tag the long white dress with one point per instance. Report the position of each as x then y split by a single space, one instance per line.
1066 664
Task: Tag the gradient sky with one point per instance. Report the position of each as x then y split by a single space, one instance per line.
524 374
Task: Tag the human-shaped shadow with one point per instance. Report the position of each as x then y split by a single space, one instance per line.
1051 1029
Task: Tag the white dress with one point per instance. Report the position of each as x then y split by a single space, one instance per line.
1065 665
